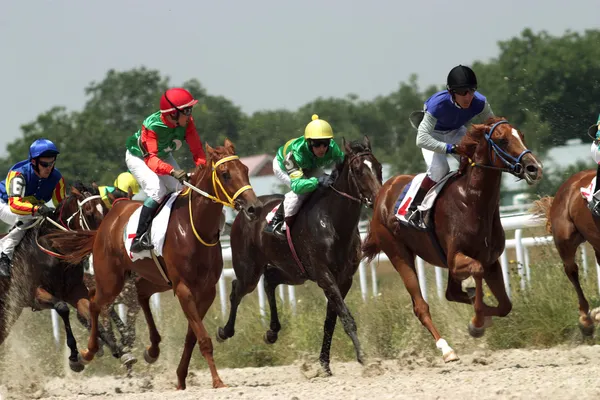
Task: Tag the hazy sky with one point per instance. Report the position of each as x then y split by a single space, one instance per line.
261 54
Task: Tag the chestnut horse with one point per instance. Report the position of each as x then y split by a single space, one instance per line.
41 281
327 247
191 254
467 236
571 223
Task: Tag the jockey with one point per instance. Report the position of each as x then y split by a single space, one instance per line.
126 181
30 184
443 126
149 158
298 164
594 133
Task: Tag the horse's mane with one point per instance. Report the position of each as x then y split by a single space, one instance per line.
471 140
81 187
200 171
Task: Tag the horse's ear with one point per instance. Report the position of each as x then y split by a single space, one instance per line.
229 146
346 146
209 150
111 196
95 185
130 192
479 129
366 142
75 192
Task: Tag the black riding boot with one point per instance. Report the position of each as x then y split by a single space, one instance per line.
274 228
142 241
426 184
5 266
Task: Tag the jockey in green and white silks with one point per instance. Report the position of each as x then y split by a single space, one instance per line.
299 164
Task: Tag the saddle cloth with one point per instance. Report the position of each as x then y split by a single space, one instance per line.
587 192
157 233
409 192
271 214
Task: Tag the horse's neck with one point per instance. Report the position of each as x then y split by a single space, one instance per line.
344 211
206 213
483 184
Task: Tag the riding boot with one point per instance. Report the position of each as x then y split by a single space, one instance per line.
142 241
5 266
276 222
426 185
593 205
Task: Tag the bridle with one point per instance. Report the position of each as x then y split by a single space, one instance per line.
352 178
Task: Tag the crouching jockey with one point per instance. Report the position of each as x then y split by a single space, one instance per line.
595 134
30 184
127 183
443 126
298 164
149 158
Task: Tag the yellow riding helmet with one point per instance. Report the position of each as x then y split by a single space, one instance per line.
318 129
125 181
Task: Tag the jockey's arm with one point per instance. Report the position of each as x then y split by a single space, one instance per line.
151 158
299 183
424 138
59 192
486 113
195 144
15 187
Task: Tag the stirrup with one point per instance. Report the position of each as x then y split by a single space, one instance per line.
142 243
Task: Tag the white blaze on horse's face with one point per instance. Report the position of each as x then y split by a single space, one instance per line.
518 137
369 164
99 208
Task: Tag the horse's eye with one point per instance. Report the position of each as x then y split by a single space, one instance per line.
226 176
502 142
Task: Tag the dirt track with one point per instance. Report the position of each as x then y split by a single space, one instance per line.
560 373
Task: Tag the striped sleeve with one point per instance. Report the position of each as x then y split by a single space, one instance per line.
15 184
59 192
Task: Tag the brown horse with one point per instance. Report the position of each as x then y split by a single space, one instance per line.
467 236
42 281
571 223
191 255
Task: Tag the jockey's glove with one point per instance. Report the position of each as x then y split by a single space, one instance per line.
323 180
44 211
180 175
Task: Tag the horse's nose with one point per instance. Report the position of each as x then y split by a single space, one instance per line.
251 210
531 169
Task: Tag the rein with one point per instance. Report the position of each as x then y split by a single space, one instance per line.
216 182
352 179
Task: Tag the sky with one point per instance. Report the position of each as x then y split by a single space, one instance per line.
260 54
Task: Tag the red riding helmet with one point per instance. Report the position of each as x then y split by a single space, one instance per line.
175 100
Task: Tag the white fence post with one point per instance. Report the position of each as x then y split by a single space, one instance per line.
362 274
421 276
505 272
439 281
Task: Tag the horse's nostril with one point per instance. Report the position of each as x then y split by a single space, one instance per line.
531 169
250 210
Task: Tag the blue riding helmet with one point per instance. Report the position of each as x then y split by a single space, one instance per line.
42 148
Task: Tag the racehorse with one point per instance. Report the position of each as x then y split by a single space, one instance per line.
191 255
466 236
571 223
40 280
326 247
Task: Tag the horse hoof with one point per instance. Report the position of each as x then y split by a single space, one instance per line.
270 337
148 358
81 358
128 359
587 330
76 366
475 331
220 336
450 356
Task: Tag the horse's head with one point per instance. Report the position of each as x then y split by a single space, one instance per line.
363 170
83 208
499 145
230 180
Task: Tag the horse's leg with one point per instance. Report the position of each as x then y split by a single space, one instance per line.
153 351
329 328
240 286
403 261
45 300
495 281
188 304
271 280
190 338
455 293
463 267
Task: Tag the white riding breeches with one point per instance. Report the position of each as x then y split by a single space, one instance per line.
437 163
293 201
155 186
9 242
595 152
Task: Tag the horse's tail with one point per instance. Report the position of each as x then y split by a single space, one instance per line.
541 209
370 247
74 246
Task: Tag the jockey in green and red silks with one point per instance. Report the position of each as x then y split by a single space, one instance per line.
149 158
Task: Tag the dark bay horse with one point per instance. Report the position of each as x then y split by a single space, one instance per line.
466 225
571 223
40 280
192 252
326 240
